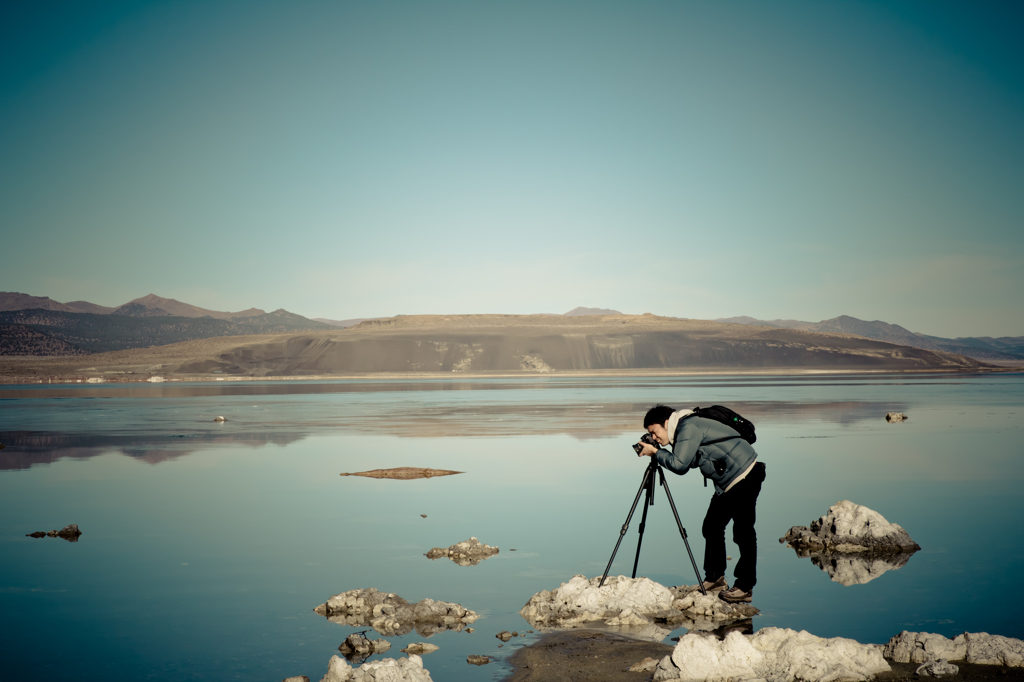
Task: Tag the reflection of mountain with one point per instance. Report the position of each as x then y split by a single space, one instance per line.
857 569
27 448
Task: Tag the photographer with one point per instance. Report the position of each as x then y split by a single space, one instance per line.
731 464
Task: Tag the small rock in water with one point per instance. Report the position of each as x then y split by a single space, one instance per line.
220 419
728 558
477 660
420 648
470 630
2 446
466 553
69 533
297 678
423 515
895 417
504 635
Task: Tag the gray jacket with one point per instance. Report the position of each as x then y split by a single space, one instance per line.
720 462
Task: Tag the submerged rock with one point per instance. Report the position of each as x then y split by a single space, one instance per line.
974 647
420 648
389 614
850 528
404 473
473 659
357 647
894 417
385 670
466 553
504 635
633 603
773 654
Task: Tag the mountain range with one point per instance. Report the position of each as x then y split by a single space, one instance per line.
978 347
41 326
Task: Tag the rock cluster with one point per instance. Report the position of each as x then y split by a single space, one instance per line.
974 647
69 533
773 654
385 670
893 417
389 614
357 647
635 602
466 553
850 528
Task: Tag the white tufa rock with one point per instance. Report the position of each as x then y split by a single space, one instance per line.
773 655
849 528
466 553
895 417
386 670
630 604
974 647
581 601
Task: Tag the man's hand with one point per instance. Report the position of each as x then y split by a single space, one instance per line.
648 450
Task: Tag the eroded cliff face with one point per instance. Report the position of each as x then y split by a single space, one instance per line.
523 344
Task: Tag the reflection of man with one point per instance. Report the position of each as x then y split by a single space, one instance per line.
731 464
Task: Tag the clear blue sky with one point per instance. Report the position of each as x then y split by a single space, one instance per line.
351 159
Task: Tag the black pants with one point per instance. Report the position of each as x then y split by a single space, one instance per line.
736 505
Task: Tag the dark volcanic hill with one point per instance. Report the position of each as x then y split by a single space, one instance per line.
93 333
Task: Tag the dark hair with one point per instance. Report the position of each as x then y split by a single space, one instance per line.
658 414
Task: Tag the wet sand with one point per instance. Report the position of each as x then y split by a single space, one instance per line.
594 656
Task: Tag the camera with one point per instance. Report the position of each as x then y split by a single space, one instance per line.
646 438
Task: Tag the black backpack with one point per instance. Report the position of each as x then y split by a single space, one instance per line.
722 414
718 413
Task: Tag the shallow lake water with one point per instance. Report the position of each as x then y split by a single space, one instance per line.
207 546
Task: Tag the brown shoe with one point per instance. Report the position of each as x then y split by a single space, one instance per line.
715 584
735 595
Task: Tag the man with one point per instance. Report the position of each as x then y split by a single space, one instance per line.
731 464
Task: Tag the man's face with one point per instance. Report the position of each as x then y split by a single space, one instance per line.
659 433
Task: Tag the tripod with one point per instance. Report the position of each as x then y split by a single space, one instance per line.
648 485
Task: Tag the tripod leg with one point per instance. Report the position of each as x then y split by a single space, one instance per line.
649 474
648 502
682 531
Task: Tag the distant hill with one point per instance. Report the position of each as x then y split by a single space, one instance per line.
169 306
576 312
983 348
86 307
11 300
92 333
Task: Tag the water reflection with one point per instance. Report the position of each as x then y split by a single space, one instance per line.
28 448
858 569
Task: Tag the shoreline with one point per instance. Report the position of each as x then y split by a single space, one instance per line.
101 377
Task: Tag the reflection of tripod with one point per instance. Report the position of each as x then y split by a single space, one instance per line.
648 485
